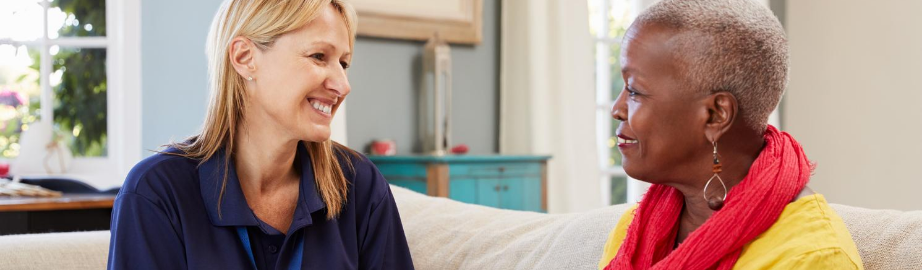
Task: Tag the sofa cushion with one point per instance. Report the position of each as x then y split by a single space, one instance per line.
445 234
886 239
75 250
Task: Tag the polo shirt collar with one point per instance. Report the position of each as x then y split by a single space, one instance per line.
234 208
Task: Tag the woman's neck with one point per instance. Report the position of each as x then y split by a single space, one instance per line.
264 162
737 153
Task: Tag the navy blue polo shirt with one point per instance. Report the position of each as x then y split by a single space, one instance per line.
166 217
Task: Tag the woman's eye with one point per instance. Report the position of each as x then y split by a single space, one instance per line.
318 56
344 64
630 92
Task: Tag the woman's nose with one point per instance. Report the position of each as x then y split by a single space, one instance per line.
338 82
619 107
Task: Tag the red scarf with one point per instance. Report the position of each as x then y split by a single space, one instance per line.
752 206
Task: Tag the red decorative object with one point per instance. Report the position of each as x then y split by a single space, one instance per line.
4 169
384 147
460 149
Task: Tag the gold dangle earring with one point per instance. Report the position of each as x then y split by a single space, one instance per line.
715 203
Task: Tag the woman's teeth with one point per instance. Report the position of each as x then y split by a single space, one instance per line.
620 140
322 107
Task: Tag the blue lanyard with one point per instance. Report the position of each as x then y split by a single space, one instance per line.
295 262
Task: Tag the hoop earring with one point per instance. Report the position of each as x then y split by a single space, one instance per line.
715 203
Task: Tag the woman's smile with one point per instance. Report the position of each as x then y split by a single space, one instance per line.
323 107
625 142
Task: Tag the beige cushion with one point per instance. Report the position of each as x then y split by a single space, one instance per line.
445 234
76 250
886 239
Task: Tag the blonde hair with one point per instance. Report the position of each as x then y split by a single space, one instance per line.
262 21
737 46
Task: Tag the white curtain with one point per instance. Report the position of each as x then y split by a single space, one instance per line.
547 97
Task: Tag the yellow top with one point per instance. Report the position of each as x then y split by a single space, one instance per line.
807 235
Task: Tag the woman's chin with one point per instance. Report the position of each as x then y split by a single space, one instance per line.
629 168
316 134
634 172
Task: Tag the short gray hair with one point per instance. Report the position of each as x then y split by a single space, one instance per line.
737 46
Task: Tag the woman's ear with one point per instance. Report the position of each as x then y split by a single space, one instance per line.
722 111
241 52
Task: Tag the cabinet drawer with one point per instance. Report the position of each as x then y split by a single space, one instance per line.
402 171
486 170
410 176
507 193
521 194
411 184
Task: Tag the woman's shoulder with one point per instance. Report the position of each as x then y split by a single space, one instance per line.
616 236
158 174
808 230
353 163
364 176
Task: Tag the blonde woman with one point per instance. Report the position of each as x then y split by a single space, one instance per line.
262 186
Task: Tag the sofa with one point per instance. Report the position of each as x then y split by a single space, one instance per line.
445 234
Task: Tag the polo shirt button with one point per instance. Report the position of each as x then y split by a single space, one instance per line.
273 249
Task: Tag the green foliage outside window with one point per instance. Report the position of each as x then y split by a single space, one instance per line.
80 102
80 99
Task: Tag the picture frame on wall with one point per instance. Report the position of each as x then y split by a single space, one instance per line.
455 21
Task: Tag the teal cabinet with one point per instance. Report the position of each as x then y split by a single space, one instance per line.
508 182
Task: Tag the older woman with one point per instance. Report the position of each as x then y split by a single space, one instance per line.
729 191
262 186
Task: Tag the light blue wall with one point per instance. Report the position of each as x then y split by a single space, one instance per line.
383 79
173 69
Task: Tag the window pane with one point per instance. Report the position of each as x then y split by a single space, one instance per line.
19 95
615 157
617 82
595 12
616 16
618 189
77 18
614 63
79 84
20 20
619 17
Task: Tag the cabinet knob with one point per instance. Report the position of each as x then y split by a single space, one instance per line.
505 188
502 169
496 188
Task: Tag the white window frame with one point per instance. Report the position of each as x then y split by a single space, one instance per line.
635 188
123 78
